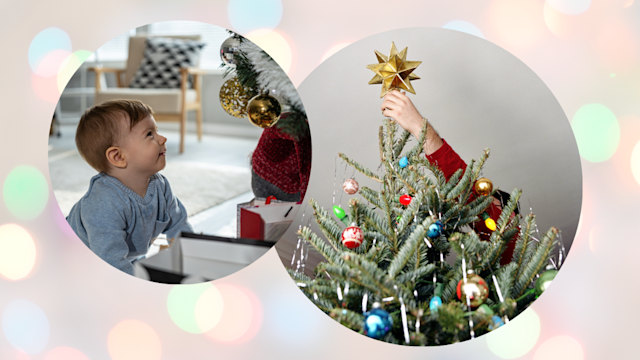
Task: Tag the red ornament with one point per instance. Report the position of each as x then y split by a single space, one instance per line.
352 237
405 199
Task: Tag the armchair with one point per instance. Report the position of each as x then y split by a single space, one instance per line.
168 104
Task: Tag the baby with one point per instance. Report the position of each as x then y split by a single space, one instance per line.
128 203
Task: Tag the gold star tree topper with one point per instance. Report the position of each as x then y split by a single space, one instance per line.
394 71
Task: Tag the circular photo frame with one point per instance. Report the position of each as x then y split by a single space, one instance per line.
179 152
418 227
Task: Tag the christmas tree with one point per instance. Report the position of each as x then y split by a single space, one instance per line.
259 90
405 264
250 71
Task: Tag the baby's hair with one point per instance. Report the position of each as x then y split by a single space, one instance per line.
99 128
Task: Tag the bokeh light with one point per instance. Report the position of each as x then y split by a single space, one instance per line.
69 66
334 49
17 252
208 309
25 326
46 88
517 337
134 340
561 24
195 308
597 238
597 132
20 355
624 161
635 162
517 23
465 27
570 7
46 41
65 353
248 15
275 45
51 63
241 318
616 45
559 347
25 192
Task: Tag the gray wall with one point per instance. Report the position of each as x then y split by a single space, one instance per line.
475 94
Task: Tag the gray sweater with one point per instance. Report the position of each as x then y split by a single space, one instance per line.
118 225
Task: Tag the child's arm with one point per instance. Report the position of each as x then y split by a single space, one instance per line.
178 221
106 226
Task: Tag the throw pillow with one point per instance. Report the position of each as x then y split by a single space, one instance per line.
163 58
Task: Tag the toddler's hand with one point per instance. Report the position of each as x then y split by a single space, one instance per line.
399 107
168 245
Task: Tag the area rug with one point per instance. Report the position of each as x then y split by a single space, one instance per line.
199 185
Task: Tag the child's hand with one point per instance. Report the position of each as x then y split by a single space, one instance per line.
168 245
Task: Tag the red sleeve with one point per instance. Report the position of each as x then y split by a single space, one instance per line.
448 161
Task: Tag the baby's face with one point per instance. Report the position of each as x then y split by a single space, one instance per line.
144 148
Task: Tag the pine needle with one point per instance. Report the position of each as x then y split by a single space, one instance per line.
407 249
537 263
360 168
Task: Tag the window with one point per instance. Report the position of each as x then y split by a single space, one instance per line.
116 49
210 34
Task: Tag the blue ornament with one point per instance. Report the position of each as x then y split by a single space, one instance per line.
377 323
435 303
496 322
403 162
434 230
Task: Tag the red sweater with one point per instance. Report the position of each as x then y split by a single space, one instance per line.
282 161
448 161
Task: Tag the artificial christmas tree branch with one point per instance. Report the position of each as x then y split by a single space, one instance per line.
348 318
462 185
415 274
327 224
327 251
407 250
400 144
453 181
410 212
537 263
375 220
523 244
508 210
505 279
360 168
372 196
417 150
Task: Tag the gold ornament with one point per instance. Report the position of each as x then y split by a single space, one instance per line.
234 97
483 186
263 110
475 289
394 71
